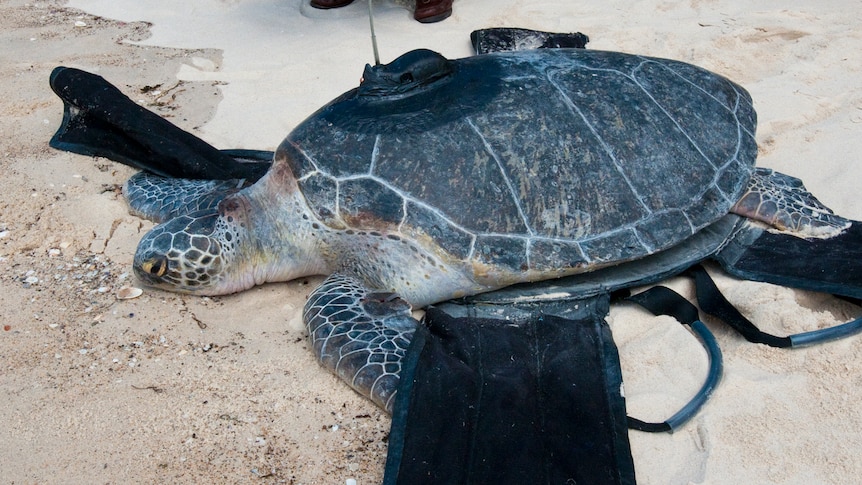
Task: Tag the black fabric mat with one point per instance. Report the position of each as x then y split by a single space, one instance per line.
518 396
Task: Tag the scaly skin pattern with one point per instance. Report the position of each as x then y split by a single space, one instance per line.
161 199
360 336
783 203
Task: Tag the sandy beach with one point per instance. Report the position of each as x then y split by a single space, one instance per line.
167 388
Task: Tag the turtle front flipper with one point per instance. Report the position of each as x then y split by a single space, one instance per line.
160 199
359 335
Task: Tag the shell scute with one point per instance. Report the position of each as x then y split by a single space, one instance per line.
369 204
661 229
502 252
550 255
611 247
644 143
536 153
707 118
424 222
321 192
709 83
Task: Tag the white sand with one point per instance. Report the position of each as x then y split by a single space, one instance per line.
103 391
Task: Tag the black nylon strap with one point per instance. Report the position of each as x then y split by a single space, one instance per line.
712 302
512 395
660 300
663 301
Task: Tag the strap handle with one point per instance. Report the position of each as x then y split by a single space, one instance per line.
661 300
712 302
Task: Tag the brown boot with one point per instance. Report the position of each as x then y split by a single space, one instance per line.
327 4
429 11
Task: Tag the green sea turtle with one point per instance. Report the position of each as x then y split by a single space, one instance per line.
437 179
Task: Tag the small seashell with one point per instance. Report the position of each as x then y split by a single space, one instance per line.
129 292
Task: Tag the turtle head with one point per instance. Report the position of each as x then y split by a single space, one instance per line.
205 252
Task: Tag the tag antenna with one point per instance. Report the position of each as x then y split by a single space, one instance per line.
373 35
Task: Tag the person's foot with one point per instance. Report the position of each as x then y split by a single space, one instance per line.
429 11
326 4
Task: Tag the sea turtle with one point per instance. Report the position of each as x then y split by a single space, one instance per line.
438 179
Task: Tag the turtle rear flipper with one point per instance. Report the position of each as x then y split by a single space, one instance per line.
800 229
783 202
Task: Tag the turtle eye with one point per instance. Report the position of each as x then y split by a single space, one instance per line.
156 266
